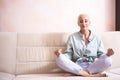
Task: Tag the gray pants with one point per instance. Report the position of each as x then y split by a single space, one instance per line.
103 63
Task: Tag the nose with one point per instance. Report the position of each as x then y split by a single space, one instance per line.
84 23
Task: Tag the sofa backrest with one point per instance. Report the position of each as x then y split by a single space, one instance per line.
35 52
112 40
22 53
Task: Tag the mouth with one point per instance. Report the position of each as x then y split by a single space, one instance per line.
84 27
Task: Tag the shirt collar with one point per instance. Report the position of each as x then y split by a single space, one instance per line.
90 37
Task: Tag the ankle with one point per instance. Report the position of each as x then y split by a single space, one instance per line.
84 73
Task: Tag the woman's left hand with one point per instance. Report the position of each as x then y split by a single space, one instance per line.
110 52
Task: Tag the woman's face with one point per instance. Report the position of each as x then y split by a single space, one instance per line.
83 22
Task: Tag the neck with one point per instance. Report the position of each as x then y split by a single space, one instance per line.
85 32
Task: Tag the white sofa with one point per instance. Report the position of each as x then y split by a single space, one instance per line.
30 56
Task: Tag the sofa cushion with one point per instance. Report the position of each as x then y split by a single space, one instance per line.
6 76
60 76
114 71
111 40
35 52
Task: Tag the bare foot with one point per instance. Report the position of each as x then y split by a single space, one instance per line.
100 75
85 73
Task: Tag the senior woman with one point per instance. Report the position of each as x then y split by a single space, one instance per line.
85 54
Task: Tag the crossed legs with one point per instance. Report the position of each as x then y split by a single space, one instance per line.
94 70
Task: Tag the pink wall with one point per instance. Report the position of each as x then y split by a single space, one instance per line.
55 15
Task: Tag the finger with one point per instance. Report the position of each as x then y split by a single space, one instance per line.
60 50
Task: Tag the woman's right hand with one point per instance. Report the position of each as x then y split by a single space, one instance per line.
58 52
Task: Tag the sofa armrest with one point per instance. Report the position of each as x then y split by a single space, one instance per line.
6 76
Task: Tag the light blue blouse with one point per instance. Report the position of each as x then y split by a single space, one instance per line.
78 51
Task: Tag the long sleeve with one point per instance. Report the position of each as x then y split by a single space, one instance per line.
101 49
69 50
76 49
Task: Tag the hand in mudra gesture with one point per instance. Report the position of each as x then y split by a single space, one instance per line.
58 52
110 52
